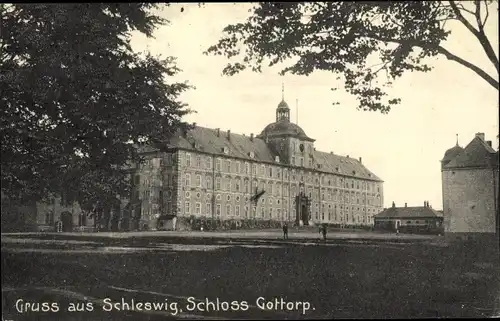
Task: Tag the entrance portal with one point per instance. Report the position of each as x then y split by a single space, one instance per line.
305 215
67 221
302 208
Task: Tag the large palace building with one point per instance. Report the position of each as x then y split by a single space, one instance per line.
209 174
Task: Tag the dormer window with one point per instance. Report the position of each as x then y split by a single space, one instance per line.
225 150
251 154
277 159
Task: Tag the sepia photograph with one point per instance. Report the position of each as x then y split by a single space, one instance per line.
250 160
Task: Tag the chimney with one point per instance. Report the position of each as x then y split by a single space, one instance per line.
480 135
251 137
218 132
194 124
406 204
361 160
488 142
347 156
393 204
228 134
331 153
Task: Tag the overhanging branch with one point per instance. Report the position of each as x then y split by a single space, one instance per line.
469 65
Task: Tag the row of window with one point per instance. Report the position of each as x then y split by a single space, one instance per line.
238 167
272 213
244 185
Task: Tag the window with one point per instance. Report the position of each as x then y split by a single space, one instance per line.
237 165
238 184
228 166
246 211
302 161
168 206
218 197
270 213
293 160
237 211
262 170
209 182
197 208
228 184
187 208
217 183
198 161
187 180
198 181
310 163
247 168
278 213
247 186
218 164
188 159
208 162
217 209
270 171
228 197
228 210
188 194
208 209
254 169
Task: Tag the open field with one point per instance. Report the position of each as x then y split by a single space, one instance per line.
342 278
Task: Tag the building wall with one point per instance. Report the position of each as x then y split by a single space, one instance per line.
469 197
48 213
216 186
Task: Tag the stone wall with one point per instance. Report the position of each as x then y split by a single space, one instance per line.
469 199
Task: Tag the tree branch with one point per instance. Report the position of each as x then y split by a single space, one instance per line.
479 34
461 18
465 63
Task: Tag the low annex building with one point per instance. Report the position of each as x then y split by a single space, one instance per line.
409 219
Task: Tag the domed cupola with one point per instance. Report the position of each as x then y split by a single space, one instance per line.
283 127
451 153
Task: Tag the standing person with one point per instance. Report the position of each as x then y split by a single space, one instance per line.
285 231
324 232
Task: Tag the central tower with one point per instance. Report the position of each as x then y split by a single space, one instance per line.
283 111
288 140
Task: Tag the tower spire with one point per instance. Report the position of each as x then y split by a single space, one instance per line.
457 139
282 91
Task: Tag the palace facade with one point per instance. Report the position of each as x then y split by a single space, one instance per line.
278 175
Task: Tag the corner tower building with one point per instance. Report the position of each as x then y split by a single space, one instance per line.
206 174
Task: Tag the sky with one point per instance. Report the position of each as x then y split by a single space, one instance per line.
404 147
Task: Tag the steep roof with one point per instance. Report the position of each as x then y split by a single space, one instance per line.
408 212
207 140
213 141
477 154
332 163
451 153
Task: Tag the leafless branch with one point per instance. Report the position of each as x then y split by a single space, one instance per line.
487 14
479 34
478 14
461 18
465 63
